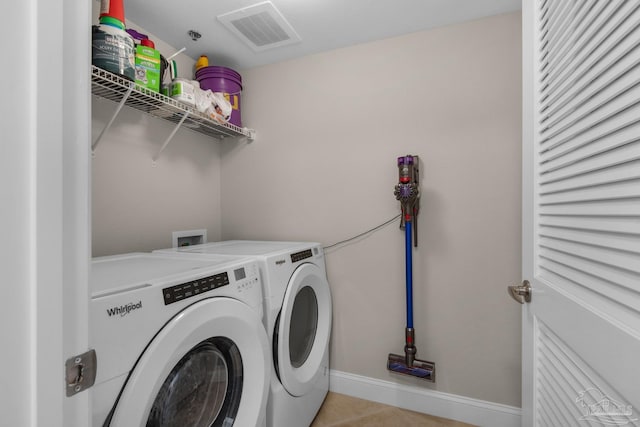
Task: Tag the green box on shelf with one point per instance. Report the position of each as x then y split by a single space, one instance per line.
148 67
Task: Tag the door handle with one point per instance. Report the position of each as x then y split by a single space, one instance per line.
521 293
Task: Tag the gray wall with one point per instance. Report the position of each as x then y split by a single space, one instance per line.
138 203
330 127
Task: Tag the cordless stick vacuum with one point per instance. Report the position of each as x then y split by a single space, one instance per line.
407 191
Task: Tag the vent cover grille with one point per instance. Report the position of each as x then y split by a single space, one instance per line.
260 26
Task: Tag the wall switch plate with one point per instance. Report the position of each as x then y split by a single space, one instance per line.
189 238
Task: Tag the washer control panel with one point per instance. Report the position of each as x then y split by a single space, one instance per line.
246 277
195 287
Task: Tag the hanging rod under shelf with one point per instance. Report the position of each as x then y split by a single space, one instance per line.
115 88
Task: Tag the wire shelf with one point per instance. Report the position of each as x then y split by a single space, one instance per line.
113 87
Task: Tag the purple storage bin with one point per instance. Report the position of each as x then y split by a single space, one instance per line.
227 81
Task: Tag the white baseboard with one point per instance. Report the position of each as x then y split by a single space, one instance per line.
460 408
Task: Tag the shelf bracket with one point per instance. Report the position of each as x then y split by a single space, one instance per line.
252 135
113 117
170 137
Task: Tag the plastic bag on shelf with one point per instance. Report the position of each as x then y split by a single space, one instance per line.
213 104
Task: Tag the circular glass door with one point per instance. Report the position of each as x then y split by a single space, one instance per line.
203 389
304 323
207 366
303 329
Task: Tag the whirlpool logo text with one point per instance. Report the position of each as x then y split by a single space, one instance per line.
123 310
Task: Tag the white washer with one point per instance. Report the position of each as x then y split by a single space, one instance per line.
178 341
297 318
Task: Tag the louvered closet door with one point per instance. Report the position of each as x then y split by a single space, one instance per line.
581 212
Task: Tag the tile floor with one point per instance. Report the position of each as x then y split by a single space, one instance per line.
339 410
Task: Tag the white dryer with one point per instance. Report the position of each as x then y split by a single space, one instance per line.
297 319
179 342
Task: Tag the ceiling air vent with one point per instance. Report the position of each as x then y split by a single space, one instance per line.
260 26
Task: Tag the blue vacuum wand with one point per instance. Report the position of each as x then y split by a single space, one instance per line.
407 191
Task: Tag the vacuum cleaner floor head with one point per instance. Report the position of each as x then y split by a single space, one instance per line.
419 369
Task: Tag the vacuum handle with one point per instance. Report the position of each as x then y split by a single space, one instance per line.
409 273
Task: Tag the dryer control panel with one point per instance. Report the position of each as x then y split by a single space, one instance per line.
299 256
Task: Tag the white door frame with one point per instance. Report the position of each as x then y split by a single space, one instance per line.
45 163
76 200
528 113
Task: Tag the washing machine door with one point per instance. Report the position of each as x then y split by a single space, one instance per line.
208 366
303 329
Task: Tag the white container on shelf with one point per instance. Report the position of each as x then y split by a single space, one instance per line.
184 90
